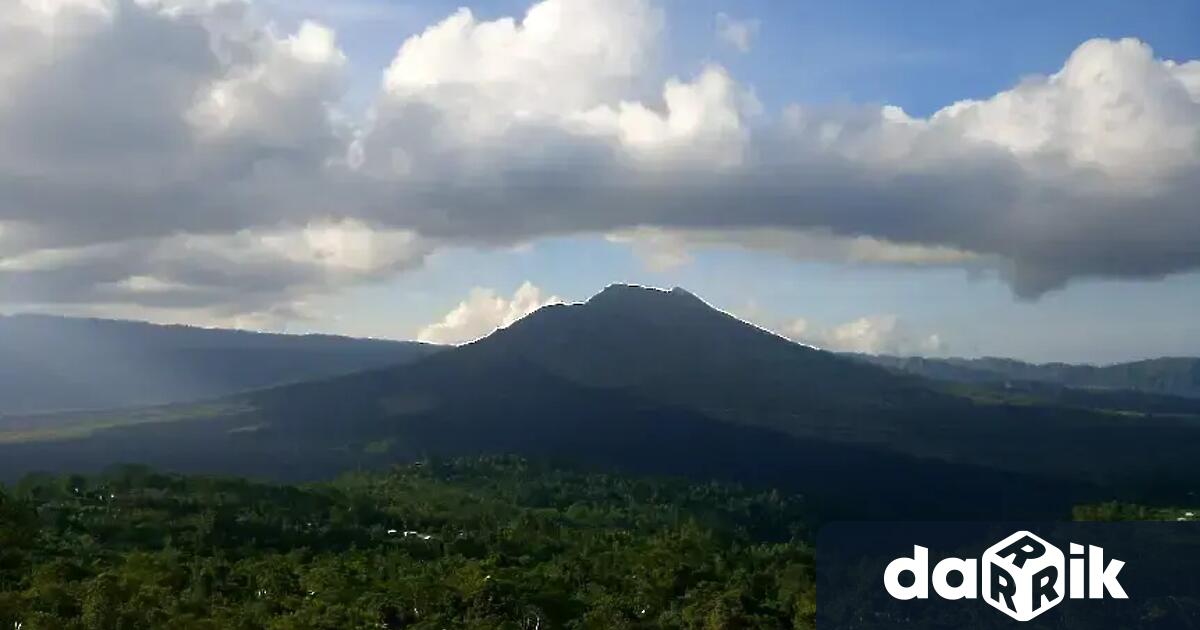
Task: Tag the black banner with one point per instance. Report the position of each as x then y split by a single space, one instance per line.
1081 576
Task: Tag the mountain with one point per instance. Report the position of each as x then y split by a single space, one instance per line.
1171 376
673 347
655 381
57 363
445 407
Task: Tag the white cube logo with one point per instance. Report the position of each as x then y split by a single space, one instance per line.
1023 576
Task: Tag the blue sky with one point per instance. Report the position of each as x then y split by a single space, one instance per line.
921 56
1097 321
286 169
918 55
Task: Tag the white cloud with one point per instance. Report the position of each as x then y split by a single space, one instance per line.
148 139
878 334
737 33
1045 181
174 156
870 334
563 56
703 122
294 82
1112 106
483 312
147 284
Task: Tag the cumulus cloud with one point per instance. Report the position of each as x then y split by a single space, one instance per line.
869 334
187 154
1087 172
175 154
737 33
564 55
127 118
483 312
872 334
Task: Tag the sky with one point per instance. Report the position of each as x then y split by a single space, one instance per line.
953 178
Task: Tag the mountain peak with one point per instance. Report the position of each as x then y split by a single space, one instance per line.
624 288
632 294
625 314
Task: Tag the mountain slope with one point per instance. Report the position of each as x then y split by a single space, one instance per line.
442 407
672 346
1172 376
658 381
56 363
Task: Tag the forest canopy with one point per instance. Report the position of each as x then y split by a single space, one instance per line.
473 543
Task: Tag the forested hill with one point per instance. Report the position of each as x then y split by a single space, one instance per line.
468 544
57 363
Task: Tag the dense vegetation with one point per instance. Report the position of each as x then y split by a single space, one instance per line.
481 543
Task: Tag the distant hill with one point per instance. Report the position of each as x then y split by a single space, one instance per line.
657 381
52 363
1172 376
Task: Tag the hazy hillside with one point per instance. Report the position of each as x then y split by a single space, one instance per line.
56 363
1174 376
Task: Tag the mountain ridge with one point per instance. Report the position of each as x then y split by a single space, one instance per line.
1173 376
53 363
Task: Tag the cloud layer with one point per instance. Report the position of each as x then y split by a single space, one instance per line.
184 152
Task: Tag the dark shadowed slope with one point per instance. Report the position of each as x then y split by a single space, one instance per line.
57 363
443 408
673 347
659 381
